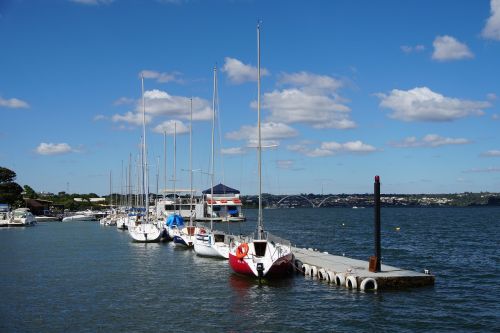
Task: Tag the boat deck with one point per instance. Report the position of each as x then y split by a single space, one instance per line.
326 266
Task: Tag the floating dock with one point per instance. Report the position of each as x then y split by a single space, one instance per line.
359 274
354 273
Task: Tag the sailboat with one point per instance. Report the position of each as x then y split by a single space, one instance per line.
143 230
212 243
186 235
261 255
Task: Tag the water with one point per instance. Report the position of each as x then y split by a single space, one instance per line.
82 277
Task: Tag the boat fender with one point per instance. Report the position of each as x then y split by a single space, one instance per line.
314 271
331 276
369 284
322 275
242 250
306 269
339 279
351 282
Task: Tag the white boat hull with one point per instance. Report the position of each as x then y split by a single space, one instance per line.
205 246
145 233
78 218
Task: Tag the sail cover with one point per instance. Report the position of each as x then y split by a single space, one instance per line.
175 220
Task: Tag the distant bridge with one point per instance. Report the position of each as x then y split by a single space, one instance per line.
298 196
323 201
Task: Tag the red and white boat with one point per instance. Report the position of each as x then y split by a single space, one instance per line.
267 257
261 255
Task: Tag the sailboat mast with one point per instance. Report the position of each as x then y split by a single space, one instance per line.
164 163
129 201
110 191
212 166
144 154
191 164
260 227
175 157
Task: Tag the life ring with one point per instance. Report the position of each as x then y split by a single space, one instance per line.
242 250
223 201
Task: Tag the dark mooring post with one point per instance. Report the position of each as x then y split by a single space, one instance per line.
375 260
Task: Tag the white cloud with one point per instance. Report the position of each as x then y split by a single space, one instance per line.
310 99
298 106
233 151
53 148
449 48
171 126
491 153
491 96
495 116
410 49
238 72
492 28
131 118
430 140
161 77
160 103
93 2
332 148
270 133
13 103
422 104
311 82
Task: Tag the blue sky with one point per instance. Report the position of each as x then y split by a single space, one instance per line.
407 90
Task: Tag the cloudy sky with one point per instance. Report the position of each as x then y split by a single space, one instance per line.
407 90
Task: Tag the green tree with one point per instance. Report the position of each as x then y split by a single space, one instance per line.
10 191
29 192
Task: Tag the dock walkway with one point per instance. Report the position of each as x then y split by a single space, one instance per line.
354 274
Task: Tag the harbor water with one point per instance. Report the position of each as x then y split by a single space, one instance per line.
84 277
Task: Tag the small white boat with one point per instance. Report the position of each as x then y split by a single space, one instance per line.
145 233
5 215
212 244
22 217
144 230
78 217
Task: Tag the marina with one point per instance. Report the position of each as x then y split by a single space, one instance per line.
235 141
82 276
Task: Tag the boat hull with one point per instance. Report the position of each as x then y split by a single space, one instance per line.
270 265
205 246
78 218
183 241
145 233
